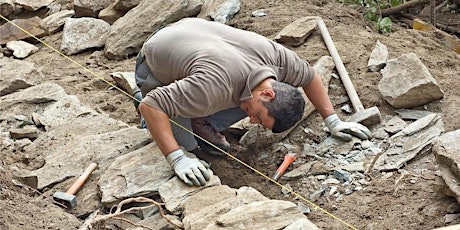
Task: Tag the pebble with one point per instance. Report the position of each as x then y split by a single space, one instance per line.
303 208
331 181
348 191
259 13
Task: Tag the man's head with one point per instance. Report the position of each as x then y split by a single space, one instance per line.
286 107
276 105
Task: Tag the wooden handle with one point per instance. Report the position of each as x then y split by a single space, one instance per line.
82 179
357 105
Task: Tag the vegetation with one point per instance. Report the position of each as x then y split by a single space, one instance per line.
373 9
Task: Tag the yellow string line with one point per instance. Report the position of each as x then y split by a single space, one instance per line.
179 125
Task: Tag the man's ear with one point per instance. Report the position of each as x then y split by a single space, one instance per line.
267 95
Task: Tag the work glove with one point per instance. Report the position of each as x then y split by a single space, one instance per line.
189 170
345 130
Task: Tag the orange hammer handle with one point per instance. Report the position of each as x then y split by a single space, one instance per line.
81 180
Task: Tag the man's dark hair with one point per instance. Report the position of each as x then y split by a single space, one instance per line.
287 107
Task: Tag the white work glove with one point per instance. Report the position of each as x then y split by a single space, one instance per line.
189 170
345 130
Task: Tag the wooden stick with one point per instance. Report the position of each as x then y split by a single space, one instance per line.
101 218
402 7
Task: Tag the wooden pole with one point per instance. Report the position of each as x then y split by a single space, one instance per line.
402 7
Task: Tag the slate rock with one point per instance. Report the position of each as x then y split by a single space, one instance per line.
17 75
33 5
138 173
446 150
21 49
10 32
54 22
378 58
205 216
83 33
7 7
407 83
89 8
220 10
415 139
269 214
175 192
297 32
124 37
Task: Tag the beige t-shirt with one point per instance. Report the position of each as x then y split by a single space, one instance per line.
207 67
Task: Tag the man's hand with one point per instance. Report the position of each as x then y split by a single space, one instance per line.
189 170
345 130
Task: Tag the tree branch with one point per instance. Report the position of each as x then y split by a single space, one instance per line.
402 7
96 218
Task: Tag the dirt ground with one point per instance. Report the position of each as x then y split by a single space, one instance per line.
417 203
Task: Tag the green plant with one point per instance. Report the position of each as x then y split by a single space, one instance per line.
372 12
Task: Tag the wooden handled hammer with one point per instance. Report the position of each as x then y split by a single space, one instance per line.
370 116
68 198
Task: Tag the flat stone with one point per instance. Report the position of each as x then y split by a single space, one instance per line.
378 58
21 49
54 22
297 32
175 192
30 132
415 139
407 83
10 32
17 75
395 124
126 178
446 149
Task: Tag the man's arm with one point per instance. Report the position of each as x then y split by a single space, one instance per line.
160 128
318 96
189 170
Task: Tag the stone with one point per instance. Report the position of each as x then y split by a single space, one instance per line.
125 177
415 139
175 192
395 124
125 80
21 49
110 14
55 22
207 215
269 214
83 33
407 83
220 10
412 114
259 13
7 7
43 93
33 5
126 5
299 171
378 58
124 37
301 224
30 132
89 8
446 149
207 197
10 32
17 75
297 32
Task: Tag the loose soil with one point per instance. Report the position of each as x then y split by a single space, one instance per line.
415 201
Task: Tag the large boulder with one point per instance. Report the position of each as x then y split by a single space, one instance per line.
407 83
129 32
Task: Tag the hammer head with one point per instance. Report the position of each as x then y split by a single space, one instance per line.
367 117
68 200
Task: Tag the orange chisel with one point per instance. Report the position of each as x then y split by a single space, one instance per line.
288 159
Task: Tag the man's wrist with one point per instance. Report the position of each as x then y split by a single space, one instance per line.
175 157
332 121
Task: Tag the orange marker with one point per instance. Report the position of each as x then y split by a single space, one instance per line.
288 159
